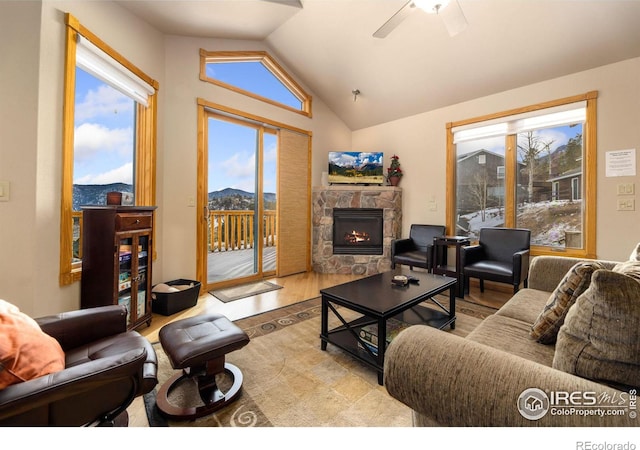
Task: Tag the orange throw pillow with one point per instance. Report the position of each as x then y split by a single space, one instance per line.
26 352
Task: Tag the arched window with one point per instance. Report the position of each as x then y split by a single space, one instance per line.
257 75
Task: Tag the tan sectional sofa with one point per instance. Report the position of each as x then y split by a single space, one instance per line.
499 375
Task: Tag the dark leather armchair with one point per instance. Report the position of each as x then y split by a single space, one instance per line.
417 250
106 367
502 255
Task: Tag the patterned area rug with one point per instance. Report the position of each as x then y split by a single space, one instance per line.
290 382
243 291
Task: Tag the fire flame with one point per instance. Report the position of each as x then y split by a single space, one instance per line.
356 236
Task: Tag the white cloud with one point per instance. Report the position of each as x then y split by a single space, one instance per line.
122 174
342 158
271 153
105 101
92 138
239 166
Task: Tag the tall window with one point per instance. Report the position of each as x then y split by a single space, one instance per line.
257 75
108 136
527 168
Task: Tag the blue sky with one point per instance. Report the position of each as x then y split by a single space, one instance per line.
232 157
103 140
254 77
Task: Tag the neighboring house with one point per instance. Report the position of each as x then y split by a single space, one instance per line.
481 180
567 186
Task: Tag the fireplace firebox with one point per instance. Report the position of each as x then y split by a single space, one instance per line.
357 231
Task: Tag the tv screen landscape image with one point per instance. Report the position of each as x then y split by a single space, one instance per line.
356 168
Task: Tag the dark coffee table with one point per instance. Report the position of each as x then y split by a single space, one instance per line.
379 301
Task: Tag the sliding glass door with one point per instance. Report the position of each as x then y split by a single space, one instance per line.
240 210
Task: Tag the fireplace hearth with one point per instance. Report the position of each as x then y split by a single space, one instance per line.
357 231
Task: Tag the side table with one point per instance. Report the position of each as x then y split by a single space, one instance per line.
440 246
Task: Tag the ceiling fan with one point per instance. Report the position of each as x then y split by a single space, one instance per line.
449 10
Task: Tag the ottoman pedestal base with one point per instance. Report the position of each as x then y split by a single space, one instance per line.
211 395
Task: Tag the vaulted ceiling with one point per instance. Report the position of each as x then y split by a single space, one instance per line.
329 46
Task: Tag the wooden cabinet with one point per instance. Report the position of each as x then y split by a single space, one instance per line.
116 259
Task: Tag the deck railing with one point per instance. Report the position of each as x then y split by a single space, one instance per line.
234 230
228 230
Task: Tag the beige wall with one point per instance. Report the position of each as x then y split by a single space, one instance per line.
420 142
19 23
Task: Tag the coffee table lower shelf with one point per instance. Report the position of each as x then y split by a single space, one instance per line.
347 337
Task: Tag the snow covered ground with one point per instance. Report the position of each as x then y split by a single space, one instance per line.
548 221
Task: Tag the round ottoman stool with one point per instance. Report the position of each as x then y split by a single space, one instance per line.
198 346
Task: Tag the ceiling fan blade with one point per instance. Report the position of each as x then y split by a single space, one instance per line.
453 18
294 3
395 20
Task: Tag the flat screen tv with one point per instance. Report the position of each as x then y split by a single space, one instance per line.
356 168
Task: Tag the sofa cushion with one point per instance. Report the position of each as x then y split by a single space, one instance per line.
525 305
600 338
26 352
575 282
511 336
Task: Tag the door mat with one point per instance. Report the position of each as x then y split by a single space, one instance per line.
243 291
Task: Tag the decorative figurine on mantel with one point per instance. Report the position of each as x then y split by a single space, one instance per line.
394 172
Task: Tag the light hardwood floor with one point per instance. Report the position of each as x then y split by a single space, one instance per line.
296 288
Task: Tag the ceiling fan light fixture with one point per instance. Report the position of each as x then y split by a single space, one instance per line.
431 6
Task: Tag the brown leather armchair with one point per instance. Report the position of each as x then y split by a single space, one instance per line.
106 367
501 255
417 250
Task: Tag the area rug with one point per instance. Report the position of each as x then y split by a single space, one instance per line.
244 290
290 382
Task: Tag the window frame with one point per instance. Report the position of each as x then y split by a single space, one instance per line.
575 189
269 63
589 182
145 145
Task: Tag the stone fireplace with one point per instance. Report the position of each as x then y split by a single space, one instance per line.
358 256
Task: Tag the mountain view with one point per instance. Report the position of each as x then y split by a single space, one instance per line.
236 199
224 199
95 194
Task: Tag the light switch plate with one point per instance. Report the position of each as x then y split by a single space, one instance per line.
4 191
626 204
626 188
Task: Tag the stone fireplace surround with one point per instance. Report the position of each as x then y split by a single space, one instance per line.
325 199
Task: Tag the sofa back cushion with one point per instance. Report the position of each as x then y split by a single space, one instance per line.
575 282
629 268
600 338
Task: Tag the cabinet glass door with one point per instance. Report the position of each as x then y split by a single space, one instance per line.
125 274
143 281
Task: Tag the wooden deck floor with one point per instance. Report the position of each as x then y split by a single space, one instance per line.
237 263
